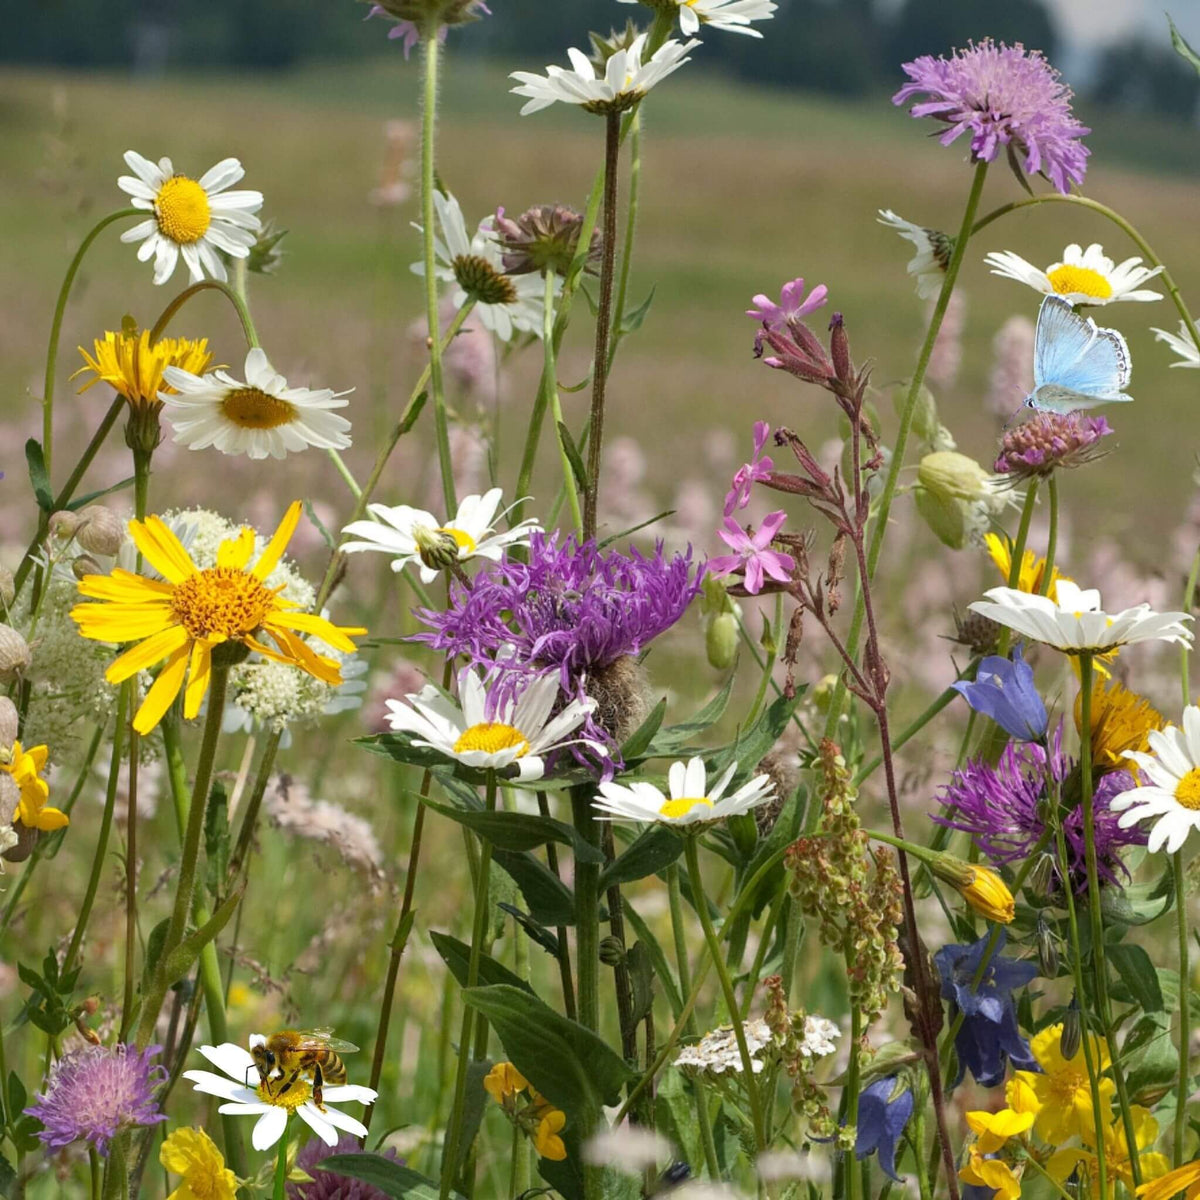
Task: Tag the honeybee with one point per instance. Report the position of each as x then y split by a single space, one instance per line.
291 1054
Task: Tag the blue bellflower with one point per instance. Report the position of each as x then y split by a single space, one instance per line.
882 1116
988 1036
1004 691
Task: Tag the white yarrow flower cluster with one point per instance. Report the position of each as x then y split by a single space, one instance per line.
717 1052
820 1037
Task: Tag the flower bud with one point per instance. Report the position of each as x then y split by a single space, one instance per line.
945 516
100 530
981 635
822 693
439 551
1047 950
721 641
1072 1031
265 256
612 951
14 654
63 524
839 349
981 887
85 565
950 474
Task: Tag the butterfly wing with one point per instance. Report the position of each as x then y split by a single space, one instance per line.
1076 364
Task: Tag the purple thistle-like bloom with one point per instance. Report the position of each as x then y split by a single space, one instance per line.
1048 442
752 553
999 807
94 1093
748 474
792 306
1004 96
327 1185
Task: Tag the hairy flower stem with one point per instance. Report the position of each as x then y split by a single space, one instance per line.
622 983
564 948
1051 538
452 1151
281 1169
550 382
1183 1085
853 1083
204 285
608 250
587 914
631 212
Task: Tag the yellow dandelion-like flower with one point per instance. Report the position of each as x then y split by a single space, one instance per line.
1117 1159
130 364
1063 1090
189 613
1032 567
1121 720
26 767
1184 1179
192 1154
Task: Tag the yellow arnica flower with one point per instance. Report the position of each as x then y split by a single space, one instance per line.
127 362
1117 1163
189 613
26 767
993 1129
1184 1179
1032 567
194 1155
1063 1091
503 1082
1121 720
990 1173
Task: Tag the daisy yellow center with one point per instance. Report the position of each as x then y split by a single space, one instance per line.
1187 792
491 737
1069 280
465 540
250 408
274 1092
674 809
221 601
182 209
480 280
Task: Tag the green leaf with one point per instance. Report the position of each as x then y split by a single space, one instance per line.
617 537
474 1102
1137 972
674 738
652 851
399 748
38 475
632 321
216 840
519 831
657 958
641 973
539 934
638 742
573 456
8 1176
572 1067
414 411
549 899
749 748
456 955
17 1095
86 499
391 1178
326 536
1182 48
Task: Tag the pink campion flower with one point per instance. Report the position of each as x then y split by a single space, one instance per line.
792 304
752 553
748 474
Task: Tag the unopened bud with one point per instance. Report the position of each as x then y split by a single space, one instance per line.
612 951
981 887
62 525
1072 1031
948 473
100 530
721 641
265 255
945 516
1047 950
839 349
14 654
438 550
822 692
85 565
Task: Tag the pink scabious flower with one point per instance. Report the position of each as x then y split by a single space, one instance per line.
752 553
792 304
1049 442
94 1093
748 474
327 1185
1005 97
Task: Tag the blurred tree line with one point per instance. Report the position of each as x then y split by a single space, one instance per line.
846 47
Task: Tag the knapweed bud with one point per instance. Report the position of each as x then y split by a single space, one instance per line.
62 525
948 473
439 551
1072 1031
544 238
1047 950
612 951
100 530
424 13
721 641
782 767
622 694
15 656
980 634
265 255
85 565
10 725
981 887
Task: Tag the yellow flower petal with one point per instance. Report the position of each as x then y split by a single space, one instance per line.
269 559
199 676
235 552
332 635
163 692
145 654
162 549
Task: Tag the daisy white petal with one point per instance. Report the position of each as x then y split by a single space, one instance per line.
690 801
1182 343
928 265
268 1129
1081 277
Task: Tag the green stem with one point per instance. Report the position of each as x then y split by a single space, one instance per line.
204 285
587 915
1185 652
281 1168
852 1086
550 376
344 472
1051 538
1183 1087
635 176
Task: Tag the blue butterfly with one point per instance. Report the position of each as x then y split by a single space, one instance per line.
1075 363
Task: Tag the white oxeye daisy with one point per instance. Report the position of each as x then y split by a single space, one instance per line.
691 801
1075 623
1182 343
625 81
928 265
1083 277
416 536
505 303
732 16
272 1100
492 732
1173 793
260 417
192 217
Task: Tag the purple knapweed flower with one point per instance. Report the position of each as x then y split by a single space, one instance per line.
883 1112
792 306
1048 442
752 553
1004 96
748 474
1000 807
326 1185
1004 691
94 1093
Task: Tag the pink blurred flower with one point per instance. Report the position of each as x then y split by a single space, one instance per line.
751 553
946 359
1012 367
759 467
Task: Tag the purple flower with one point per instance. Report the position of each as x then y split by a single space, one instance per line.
94 1093
751 553
328 1186
882 1115
1048 441
1005 96
792 305
1004 691
1000 807
750 473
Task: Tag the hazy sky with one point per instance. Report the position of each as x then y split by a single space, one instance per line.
1087 22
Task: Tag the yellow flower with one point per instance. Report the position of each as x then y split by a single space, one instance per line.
1032 567
503 1082
1019 1096
1117 1163
545 1137
1063 1092
981 887
189 613
127 362
990 1173
1183 1179
26 766
993 1129
193 1154
1121 720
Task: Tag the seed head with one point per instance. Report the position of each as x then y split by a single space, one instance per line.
15 656
100 530
544 238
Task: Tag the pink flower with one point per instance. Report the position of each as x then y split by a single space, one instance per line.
751 553
750 473
791 307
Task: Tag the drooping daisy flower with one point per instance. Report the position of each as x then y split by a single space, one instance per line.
475 264
1049 442
1172 795
26 767
1075 623
488 730
415 536
272 1101
193 1155
625 81
691 801
188 614
1003 96
93 1094
1082 277
732 16
260 417
129 364
195 218
934 248
1182 343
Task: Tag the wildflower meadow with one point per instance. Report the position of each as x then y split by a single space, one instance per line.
457 821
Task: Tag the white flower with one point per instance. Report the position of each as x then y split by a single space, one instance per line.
627 1148
267 1101
1182 344
1076 623
717 1052
490 732
691 800
415 536
1083 277
733 16
625 81
260 417
820 1036
192 217
505 303
928 265
1173 794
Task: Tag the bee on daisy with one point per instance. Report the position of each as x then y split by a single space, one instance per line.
1081 277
